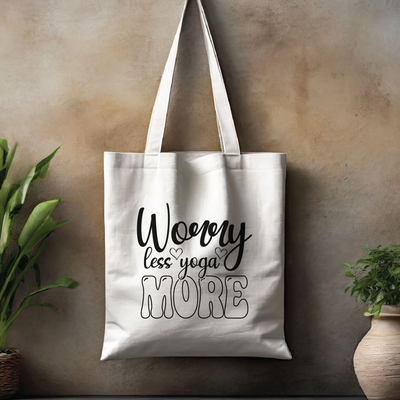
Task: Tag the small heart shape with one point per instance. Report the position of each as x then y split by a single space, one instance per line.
221 253
176 253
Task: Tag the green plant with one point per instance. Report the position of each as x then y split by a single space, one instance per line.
18 253
376 278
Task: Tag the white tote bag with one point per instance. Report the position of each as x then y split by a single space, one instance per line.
194 242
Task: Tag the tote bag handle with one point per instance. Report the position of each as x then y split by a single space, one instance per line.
226 127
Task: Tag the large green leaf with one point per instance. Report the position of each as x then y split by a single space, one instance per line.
37 228
39 225
40 214
60 282
18 198
5 192
3 151
6 158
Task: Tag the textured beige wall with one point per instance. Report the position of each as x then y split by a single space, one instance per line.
318 80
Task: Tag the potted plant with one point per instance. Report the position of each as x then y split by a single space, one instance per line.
18 254
376 282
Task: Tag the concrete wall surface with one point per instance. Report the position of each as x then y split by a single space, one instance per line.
318 80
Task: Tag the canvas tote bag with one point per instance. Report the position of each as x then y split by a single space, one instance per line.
194 242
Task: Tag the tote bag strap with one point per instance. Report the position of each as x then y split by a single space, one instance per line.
226 127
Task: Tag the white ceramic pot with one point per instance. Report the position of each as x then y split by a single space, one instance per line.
377 357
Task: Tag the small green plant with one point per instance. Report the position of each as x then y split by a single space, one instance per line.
376 278
19 252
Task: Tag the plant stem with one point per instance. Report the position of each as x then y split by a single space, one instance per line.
19 278
2 337
5 284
